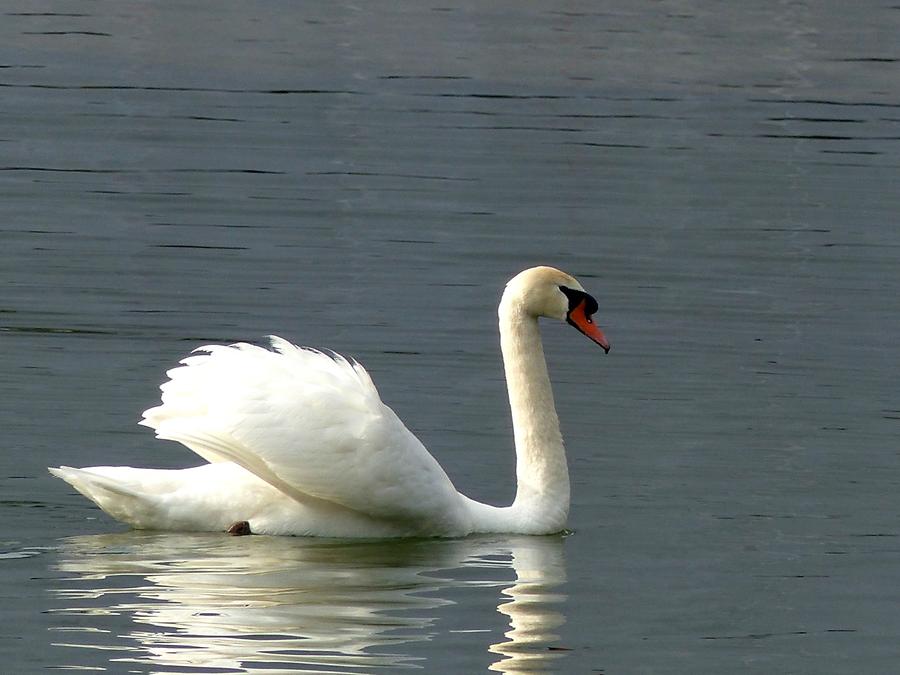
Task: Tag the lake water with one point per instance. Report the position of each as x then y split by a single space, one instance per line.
724 178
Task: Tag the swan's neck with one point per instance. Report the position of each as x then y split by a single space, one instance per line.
542 494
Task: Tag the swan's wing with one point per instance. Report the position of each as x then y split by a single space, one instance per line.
310 423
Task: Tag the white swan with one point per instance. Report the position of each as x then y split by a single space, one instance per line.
298 441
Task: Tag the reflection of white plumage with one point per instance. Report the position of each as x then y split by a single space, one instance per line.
299 442
203 602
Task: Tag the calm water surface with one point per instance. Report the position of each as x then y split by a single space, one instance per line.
724 178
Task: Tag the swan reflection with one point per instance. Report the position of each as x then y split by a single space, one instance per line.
303 605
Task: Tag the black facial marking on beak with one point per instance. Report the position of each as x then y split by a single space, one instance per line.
577 297
581 308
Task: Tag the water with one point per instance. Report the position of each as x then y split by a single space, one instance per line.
724 180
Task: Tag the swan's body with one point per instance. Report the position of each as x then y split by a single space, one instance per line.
299 442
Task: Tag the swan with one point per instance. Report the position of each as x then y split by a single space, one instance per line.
297 441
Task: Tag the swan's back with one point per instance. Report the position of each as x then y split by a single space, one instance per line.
312 425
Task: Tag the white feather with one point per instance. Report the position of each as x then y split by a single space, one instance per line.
307 422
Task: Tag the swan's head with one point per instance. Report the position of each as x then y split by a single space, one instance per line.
547 291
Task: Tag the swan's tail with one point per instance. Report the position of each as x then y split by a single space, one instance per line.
210 497
143 498
116 497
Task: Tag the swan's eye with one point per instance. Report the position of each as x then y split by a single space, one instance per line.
573 296
576 297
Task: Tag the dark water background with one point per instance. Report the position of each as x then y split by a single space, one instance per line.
724 177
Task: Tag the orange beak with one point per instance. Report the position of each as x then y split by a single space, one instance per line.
578 317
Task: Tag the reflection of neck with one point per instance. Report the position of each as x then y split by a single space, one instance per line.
542 495
532 609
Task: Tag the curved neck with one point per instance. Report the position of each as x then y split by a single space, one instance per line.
542 494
